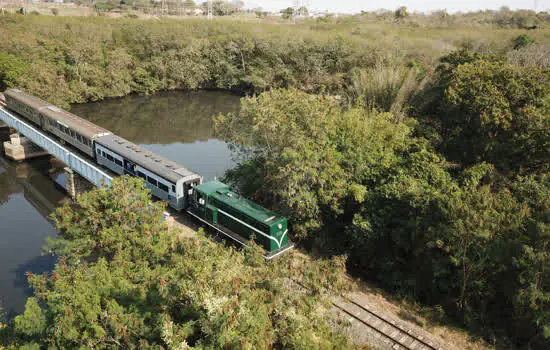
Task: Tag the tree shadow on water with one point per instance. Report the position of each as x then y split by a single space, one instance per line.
37 265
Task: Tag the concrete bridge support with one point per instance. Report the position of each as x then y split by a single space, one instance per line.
20 148
76 184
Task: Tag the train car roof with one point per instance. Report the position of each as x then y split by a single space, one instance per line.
74 122
161 166
26 98
223 193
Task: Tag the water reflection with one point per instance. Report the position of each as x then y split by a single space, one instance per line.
177 125
27 197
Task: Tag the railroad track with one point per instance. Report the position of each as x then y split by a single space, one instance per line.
399 338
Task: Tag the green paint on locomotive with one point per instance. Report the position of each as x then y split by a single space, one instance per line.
215 203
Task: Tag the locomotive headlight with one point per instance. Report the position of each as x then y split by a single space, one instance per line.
280 226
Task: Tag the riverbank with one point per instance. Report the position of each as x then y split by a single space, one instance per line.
73 60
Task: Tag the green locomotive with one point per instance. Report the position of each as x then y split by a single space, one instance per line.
215 204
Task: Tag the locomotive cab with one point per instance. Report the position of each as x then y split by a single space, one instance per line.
238 218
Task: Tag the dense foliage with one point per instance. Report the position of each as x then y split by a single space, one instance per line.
125 280
69 59
417 145
452 207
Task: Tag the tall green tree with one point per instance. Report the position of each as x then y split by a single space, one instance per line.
498 113
124 279
288 12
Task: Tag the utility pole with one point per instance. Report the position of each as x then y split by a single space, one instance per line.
210 16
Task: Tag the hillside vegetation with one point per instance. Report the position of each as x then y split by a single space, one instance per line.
418 146
69 59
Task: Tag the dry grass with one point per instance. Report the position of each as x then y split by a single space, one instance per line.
532 55
422 319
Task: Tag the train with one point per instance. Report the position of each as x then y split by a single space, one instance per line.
213 203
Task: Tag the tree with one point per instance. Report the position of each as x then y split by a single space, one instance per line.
295 159
12 70
532 302
522 41
260 13
302 11
288 12
498 113
124 279
189 3
401 13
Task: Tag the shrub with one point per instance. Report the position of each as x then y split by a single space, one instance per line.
11 70
522 41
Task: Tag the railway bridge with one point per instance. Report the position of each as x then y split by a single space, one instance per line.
81 172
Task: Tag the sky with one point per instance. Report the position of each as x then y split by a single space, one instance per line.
354 6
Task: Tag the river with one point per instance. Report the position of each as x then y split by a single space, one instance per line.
177 125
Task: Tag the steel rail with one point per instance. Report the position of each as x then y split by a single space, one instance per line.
397 335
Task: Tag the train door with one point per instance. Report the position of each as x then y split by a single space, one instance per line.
198 203
189 192
42 121
129 168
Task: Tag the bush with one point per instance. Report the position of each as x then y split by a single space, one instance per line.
55 11
522 41
12 70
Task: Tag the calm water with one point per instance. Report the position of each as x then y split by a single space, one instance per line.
177 125
27 197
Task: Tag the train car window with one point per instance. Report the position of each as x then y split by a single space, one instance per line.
118 162
163 187
110 157
174 188
151 180
142 175
104 154
98 151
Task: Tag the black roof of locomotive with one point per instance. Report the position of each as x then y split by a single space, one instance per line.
161 166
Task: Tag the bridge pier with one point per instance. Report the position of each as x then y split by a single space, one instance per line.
76 184
20 148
